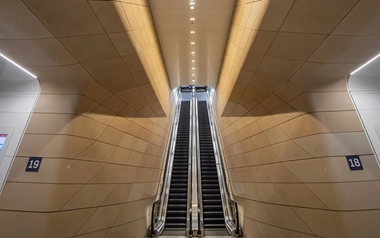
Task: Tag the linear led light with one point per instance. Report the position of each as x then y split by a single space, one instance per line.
26 71
377 56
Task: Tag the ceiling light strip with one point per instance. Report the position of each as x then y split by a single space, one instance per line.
377 56
26 71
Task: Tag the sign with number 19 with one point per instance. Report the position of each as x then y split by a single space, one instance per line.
34 164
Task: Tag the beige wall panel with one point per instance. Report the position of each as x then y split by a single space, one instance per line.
270 231
104 69
120 156
362 20
133 229
55 170
286 217
110 173
322 122
289 150
133 211
260 174
305 16
59 103
299 195
82 20
111 136
279 173
96 234
90 48
37 52
111 16
251 227
346 49
103 218
335 144
119 194
52 145
98 151
65 124
41 225
258 211
333 169
341 224
91 195
348 196
294 234
276 135
270 194
285 67
36 197
272 14
295 46
15 28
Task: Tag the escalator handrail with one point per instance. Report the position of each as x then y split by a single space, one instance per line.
189 222
232 227
201 229
156 228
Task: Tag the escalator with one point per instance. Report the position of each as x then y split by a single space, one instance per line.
194 200
177 203
212 203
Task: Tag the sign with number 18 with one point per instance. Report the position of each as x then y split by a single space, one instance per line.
354 162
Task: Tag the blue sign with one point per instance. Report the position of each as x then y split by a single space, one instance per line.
354 162
34 164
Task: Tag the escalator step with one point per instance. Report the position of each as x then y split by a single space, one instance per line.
213 207
210 202
213 214
175 225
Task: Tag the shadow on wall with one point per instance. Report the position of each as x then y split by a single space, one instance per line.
288 122
100 124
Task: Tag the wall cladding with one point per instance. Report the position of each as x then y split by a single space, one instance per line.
287 121
100 124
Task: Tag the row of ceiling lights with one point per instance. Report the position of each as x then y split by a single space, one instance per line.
192 43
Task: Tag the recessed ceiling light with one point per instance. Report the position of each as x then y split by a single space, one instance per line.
192 7
193 43
192 3
193 80
192 32
193 74
193 68
192 19
193 61
193 53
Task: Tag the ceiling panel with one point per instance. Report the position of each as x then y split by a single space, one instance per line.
211 25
